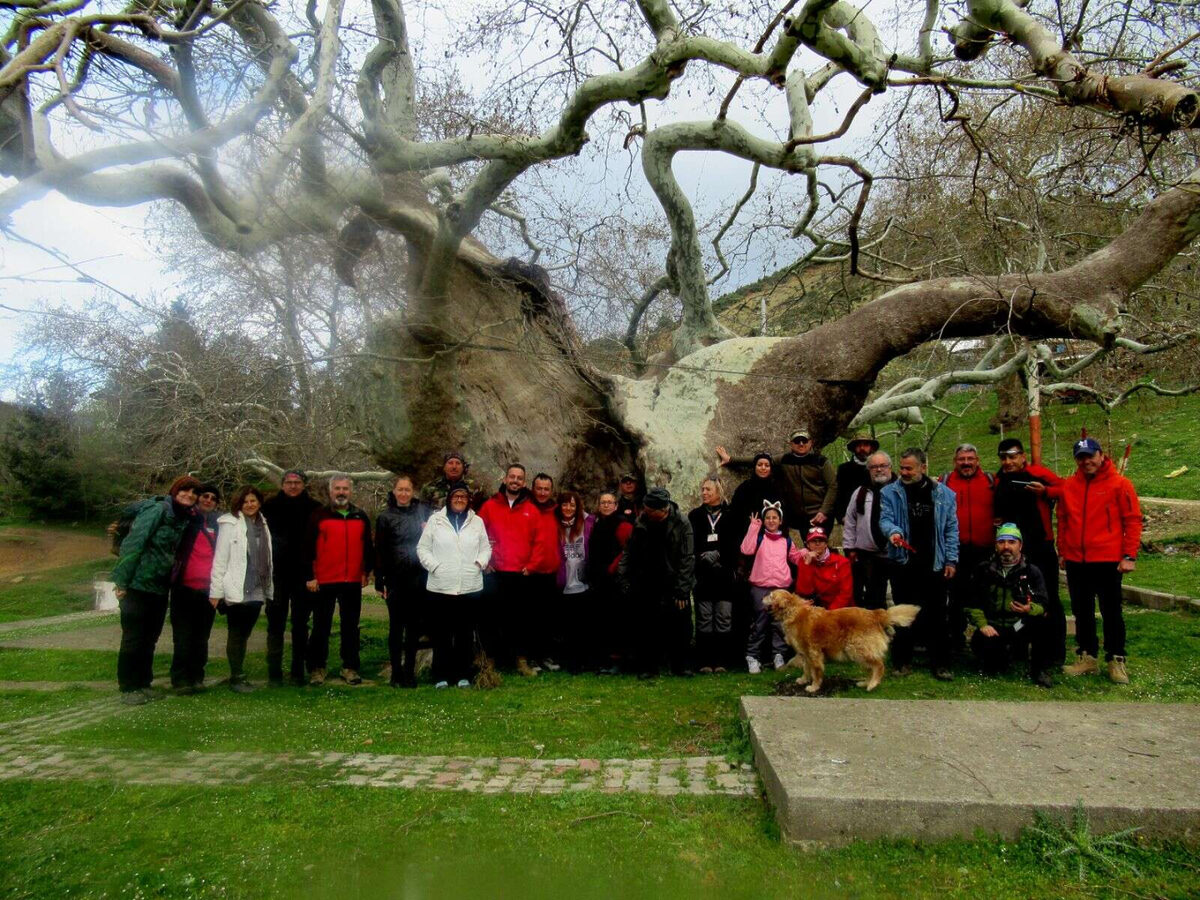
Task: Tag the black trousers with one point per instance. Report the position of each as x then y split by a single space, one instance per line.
713 596
241 618
926 588
347 597
1044 558
996 653
453 624
1088 583
142 617
662 632
969 559
508 615
408 606
290 594
191 624
870 572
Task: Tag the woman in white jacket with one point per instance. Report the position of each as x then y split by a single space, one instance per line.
454 550
241 576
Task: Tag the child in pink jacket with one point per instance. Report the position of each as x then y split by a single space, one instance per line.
774 556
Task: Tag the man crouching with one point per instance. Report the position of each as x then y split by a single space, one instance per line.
1009 602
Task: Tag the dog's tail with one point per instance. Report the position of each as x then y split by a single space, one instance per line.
903 614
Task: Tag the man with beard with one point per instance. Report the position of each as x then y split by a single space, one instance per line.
287 514
657 574
512 522
543 573
973 491
1007 603
865 543
454 471
853 474
1022 498
918 516
340 557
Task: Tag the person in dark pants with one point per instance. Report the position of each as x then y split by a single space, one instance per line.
340 556
610 534
865 544
241 577
192 612
715 541
543 575
1006 603
454 549
657 573
1099 533
974 491
400 579
1022 498
853 474
142 577
287 514
918 516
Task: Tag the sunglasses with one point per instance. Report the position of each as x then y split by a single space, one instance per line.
208 495
1011 453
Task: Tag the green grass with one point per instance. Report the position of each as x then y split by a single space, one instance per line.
23 704
1165 431
60 840
1177 573
51 592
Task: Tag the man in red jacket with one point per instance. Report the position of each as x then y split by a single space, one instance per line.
973 490
512 520
543 573
824 576
340 558
1099 532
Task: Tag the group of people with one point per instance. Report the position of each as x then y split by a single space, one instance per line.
528 579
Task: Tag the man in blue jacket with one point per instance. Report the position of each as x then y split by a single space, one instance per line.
919 518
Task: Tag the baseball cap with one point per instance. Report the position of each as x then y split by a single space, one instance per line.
1087 447
817 532
801 434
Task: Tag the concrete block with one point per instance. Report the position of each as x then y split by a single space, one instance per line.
836 770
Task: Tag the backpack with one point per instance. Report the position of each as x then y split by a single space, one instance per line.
125 521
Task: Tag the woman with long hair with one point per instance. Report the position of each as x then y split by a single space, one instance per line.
241 576
574 531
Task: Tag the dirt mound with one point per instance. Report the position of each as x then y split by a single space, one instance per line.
830 685
24 550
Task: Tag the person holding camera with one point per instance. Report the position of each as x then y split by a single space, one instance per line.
1007 605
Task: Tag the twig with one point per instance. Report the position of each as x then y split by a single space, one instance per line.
612 812
1139 752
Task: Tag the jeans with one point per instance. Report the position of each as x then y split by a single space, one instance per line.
191 624
241 618
142 617
1087 583
713 596
995 653
347 597
925 588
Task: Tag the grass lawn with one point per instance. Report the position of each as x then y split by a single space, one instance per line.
1177 573
51 592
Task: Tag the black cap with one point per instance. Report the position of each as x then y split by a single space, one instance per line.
455 488
209 488
657 498
628 476
454 454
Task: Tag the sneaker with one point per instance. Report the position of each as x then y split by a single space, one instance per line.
1043 679
706 670
442 684
943 674
719 670
462 682
752 665
350 676
550 665
1085 664
523 668
316 677
242 687
154 693
134 698
1116 670
778 662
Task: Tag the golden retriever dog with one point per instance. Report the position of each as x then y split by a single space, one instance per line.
859 635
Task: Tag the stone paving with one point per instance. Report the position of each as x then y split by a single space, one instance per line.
27 751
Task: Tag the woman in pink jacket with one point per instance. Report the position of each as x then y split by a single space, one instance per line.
773 556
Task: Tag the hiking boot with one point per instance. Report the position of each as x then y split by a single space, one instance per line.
1043 679
351 677
134 698
153 693
184 690
719 670
943 674
1116 670
753 666
316 677
523 667
903 671
1085 664
385 672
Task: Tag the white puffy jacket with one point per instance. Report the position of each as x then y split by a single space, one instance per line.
454 559
229 561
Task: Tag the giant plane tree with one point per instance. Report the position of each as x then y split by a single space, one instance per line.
262 121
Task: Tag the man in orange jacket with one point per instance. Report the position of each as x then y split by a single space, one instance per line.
1099 532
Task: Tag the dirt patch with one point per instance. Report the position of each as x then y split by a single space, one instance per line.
1167 518
831 685
24 550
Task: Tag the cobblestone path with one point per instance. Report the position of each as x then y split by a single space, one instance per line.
27 751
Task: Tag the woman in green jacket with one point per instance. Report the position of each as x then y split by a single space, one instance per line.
143 581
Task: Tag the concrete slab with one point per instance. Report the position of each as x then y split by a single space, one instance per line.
836 770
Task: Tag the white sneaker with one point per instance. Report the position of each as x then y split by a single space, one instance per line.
550 665
442 684
778 662
463 683
752 665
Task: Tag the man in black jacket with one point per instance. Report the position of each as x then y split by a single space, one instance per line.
400 578
657 574
287 514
